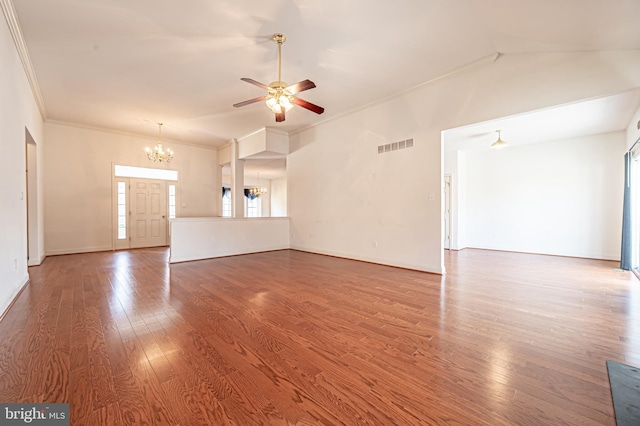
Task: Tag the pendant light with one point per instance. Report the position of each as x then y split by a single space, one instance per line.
499 143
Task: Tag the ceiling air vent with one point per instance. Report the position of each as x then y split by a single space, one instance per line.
394 146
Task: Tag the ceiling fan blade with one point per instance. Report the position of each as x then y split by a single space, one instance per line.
256 83
279 117
301 86
250 101
308 105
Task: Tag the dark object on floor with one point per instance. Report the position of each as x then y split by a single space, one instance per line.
625 392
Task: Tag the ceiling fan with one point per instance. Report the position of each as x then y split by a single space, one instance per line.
280 96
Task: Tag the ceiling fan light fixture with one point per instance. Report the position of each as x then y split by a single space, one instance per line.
273 105
279 102
499 143
285 101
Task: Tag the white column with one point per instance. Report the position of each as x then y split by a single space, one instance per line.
237 182
218 207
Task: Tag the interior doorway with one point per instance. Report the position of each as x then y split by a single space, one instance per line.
446 213
31 175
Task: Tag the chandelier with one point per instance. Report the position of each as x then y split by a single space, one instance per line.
258 191
158 153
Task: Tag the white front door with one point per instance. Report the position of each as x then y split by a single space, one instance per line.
148 213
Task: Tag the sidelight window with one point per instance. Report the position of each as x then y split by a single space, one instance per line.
122 210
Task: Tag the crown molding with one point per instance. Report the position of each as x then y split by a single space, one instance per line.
21 47
126 133
262 129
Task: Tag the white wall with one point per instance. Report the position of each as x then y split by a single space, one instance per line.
346 200
279 197
209 237
18 111
78 172
560 198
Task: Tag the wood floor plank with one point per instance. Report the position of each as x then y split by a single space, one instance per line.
198 406
79 394
288 337
106 415
132 404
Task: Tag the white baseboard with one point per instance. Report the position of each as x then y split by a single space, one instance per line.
216 254
583 255
78 250
6 304
380 261
38 261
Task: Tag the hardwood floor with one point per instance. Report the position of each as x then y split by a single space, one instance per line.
288 337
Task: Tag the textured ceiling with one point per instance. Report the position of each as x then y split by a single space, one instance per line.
126 65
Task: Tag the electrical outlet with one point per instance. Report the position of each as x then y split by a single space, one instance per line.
374 244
